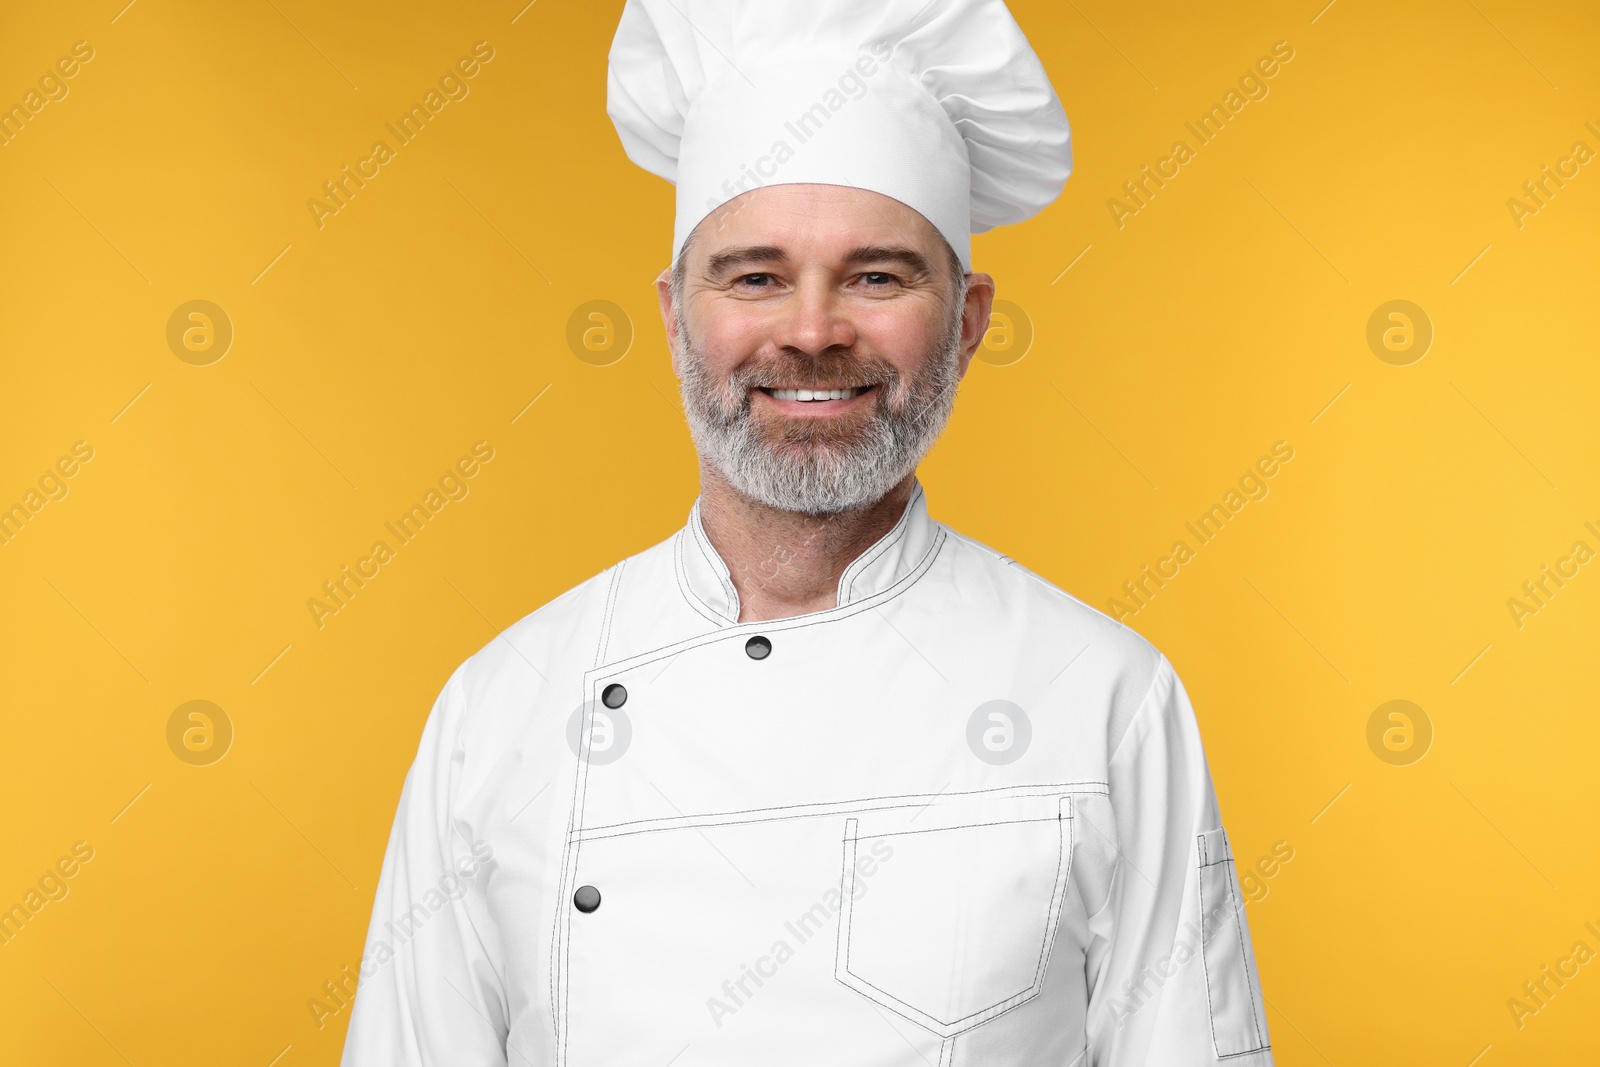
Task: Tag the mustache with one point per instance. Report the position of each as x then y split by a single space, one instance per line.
798 370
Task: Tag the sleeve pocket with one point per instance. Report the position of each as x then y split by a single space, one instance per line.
1233 990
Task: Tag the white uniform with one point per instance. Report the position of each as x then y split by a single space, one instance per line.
961 818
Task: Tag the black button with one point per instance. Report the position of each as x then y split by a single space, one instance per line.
586 899
614 697
758 647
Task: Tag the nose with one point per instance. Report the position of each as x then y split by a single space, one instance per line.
813 319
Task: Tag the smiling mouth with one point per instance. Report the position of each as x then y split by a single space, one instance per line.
815 394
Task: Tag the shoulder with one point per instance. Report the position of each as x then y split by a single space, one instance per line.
543 656
1126 667
1007 584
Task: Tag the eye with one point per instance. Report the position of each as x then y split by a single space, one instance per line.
755 281
878 278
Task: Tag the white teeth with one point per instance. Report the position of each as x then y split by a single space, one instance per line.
815 394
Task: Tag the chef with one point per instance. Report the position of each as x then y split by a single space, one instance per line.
816 780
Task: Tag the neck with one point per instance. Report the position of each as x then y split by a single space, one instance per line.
785 563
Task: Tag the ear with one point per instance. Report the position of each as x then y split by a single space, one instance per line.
668 318
975 316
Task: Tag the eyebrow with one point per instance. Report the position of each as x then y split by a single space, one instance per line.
909 258
722 263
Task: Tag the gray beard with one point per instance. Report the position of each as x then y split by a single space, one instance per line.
813 468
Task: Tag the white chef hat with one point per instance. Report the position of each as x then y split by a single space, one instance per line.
940 104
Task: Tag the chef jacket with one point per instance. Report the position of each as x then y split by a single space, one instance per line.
959 818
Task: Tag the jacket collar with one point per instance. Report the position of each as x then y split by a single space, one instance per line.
703 576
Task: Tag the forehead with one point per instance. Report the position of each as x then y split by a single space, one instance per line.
813 222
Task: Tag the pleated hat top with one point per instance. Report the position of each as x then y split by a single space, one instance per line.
940 104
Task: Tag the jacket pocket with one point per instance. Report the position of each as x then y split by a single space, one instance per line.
949 912
1233 990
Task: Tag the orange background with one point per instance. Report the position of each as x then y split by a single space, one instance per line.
1228 313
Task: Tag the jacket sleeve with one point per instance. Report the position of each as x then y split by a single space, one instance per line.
428 991
1172 975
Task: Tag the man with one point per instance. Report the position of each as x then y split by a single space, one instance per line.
817 780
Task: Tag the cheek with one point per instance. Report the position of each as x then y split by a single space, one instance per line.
904 337
726 337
